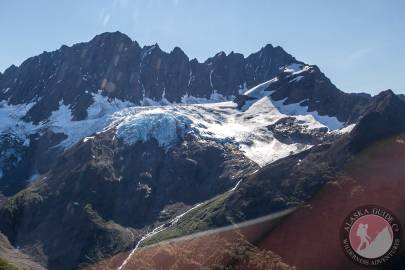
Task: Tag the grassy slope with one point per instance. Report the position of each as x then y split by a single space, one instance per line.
108 238
5 265
197 220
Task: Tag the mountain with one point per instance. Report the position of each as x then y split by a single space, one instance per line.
117 65
20 260
106 141
44 100
55 99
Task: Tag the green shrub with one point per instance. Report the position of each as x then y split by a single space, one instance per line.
5 265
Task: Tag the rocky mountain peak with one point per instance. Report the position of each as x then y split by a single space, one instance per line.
149 49
118 66
383 117
114 37
177 51
386 96
269 51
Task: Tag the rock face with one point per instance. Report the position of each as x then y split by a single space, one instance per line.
307 85
117 65
288 130
383 117
20 163
122 69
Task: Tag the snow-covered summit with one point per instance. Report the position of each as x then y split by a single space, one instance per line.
261 94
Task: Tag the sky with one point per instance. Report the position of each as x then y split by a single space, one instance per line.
358 44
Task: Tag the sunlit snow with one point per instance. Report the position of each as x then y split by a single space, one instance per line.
295 68
222 122
168 123
99 116
11 120
262 93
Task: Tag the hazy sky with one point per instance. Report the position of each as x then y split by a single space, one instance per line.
359 44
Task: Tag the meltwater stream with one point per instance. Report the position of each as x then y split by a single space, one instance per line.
155 231
164 227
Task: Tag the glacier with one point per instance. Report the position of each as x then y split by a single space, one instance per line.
212 118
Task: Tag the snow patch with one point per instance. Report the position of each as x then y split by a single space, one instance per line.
33 177
186 99
293 68
211 72
296 79
214 98
11 120
86 139
346 129
147 51
296 109
190 78
10 115
260 90
150 102
263 102
296 68
98 117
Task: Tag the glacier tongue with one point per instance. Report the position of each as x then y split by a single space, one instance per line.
165 126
